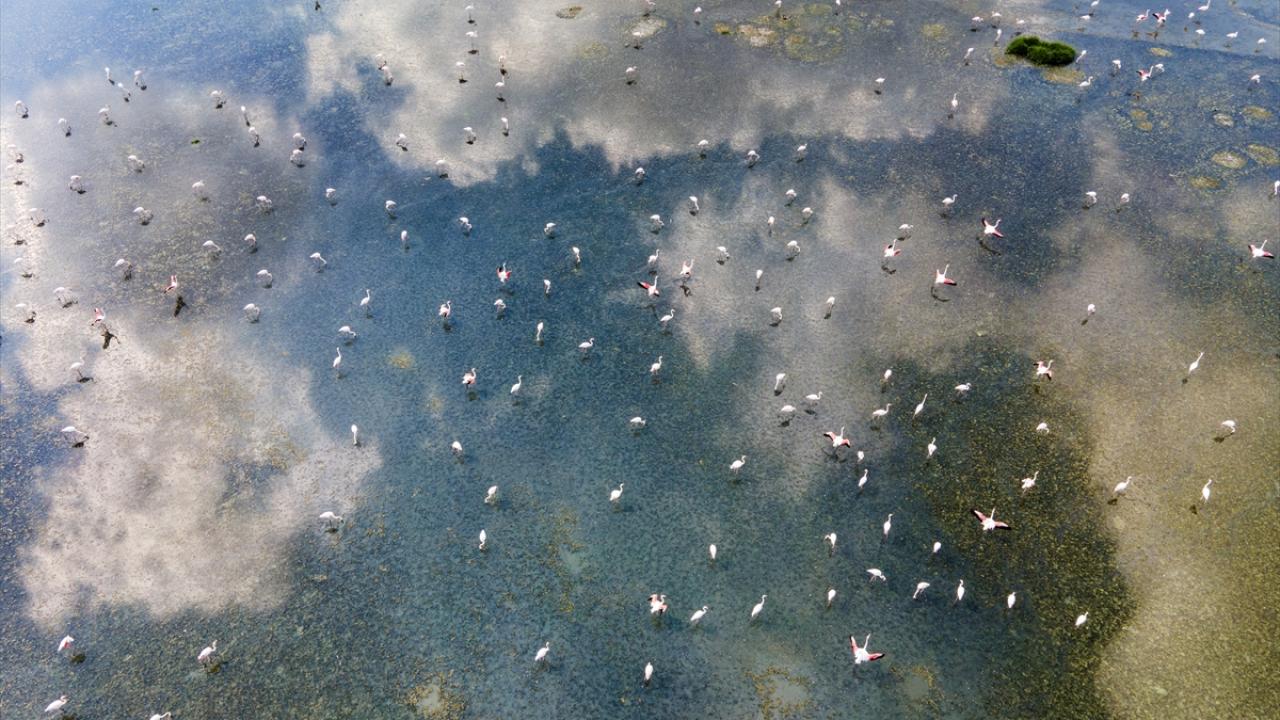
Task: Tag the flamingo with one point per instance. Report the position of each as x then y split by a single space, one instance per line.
469 378
173 284
860 654
838 440
991 229
503 274
657 604
989 522
543 652
940 276
1122 486
759 607
811 401
736 466
1044 369
206 655
1195 363
1259 251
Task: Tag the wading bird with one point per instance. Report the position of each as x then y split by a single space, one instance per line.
759 607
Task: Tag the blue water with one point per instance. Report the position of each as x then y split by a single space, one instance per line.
190 515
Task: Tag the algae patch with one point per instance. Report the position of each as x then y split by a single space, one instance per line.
1253 112
781 693
1204 182
437 698
1141 120
934 31
647 28
1229 159
569 13
1262 154
593 51
1062 75
401 359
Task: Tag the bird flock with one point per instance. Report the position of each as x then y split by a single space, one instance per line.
652 284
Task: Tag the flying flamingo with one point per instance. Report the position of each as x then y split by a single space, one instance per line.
989 229
860 654
989 522
838 440
651 288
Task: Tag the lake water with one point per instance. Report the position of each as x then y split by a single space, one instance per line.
190 514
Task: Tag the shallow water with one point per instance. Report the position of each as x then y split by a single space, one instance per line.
214 444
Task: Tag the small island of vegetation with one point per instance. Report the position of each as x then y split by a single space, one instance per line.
1041 52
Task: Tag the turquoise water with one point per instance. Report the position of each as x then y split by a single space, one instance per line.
191 513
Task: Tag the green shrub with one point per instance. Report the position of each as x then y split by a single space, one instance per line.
1041 52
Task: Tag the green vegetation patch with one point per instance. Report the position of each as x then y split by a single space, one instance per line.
1041 52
